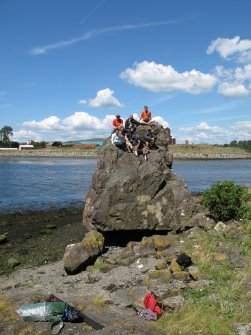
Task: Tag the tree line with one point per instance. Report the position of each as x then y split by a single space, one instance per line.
5 142
246 145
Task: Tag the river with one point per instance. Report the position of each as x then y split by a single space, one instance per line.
47 183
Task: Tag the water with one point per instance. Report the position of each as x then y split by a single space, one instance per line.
200 175
45 183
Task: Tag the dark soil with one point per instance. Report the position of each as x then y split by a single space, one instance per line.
38 237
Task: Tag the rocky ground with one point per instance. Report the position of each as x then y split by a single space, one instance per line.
210 297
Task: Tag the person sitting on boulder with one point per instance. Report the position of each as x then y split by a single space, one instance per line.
145 151
146 116
150 138
118 140
128 141
137 144
131 124
116 123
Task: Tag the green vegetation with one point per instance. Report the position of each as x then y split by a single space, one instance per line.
39 145
5 134
226 300
227 201
246 145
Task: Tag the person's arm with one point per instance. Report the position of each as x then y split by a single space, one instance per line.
135 122
127 124
112 138
138 144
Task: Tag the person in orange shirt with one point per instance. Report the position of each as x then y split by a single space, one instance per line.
117 123
146 116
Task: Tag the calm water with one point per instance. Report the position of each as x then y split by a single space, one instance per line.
43 183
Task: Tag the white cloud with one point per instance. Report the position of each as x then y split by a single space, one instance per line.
235 47
243 73
243 128
90 34
83 120
234 83
79 125
104 98
50 123
23 134
160 78
226 74
82 102
161 121
203 132
233 90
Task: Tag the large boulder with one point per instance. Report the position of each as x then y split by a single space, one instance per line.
129 193
79 255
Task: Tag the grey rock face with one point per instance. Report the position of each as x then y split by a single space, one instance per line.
129 193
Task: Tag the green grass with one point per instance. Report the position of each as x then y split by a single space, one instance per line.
227 300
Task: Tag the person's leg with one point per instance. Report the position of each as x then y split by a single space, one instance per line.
129 146
135 151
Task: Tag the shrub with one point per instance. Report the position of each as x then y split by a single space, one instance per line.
226 201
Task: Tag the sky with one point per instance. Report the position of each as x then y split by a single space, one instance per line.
68 67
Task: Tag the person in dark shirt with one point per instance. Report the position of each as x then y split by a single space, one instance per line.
137 144
150 138
131 124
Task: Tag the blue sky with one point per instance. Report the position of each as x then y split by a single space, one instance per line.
67 67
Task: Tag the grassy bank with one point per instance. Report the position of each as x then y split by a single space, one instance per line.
180 151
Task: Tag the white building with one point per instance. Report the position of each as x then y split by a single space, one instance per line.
26 146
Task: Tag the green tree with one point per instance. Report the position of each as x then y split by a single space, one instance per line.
226 201
57 144
39 145
5 132
233 143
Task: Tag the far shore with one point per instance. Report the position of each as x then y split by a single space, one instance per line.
179 151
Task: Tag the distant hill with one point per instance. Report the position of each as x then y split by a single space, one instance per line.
97 141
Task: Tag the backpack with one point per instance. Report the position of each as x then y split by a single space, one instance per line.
152 302
184 260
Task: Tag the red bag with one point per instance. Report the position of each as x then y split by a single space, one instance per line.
151 303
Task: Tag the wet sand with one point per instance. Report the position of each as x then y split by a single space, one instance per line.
38 237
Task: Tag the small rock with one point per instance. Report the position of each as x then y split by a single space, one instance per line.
174 266
161 265
13 262
51 226
180 275
3 239
27 236
164 275
161 242
194 272
220 227
243 328
174 302
219 257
